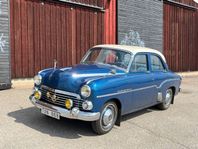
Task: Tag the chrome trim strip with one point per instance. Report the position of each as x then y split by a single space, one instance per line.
90 75
91 80
166 82
62 92
67 68
138 89
44 70
105 75
85 116
128 91
67 93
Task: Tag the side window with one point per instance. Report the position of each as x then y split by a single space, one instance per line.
139 64
156 63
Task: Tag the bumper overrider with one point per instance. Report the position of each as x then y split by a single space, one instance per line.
74 113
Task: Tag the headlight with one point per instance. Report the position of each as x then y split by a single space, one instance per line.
85 91
37 94
37 79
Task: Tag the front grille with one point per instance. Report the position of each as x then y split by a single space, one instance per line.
60 97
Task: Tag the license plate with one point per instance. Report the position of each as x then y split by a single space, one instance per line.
50 113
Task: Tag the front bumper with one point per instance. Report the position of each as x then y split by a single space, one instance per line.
80 115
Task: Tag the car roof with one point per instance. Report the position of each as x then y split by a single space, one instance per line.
132 49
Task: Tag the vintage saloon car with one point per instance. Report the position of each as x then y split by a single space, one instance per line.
110 81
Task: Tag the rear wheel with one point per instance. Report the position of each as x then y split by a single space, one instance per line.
107 119
168 99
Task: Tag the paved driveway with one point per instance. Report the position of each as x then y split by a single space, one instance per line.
22 125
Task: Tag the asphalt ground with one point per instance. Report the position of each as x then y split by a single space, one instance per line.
23 126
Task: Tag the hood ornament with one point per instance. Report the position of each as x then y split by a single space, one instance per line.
55 66
55 63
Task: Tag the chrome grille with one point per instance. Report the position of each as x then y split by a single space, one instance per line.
61 96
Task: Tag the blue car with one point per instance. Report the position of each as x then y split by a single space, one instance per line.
109 82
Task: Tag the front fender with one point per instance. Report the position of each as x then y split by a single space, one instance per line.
106 89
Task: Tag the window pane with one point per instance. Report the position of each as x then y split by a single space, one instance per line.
156 63
116 58
139 64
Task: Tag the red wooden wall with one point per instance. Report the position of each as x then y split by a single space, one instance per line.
44 31
41 32
181 36
110 22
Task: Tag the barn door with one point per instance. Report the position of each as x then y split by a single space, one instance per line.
181 35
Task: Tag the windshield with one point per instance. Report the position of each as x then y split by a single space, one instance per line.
112 57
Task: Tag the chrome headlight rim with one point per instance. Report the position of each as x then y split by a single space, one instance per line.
87 105
85 91
37 79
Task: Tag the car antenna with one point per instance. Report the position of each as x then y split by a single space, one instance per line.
55 63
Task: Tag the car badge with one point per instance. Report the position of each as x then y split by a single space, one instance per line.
53 98
48 95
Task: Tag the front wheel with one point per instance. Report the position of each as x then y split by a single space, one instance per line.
107 119
168 99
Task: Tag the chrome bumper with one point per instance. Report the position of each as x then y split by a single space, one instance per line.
71 114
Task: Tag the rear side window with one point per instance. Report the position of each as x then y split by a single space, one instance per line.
156 63
140 63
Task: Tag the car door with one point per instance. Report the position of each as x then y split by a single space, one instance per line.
143 91
159 70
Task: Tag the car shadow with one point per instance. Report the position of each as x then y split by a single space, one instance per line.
64 128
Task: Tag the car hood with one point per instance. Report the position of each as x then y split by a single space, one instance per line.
72 78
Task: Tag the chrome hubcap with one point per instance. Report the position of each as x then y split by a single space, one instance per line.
169 95
108 118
